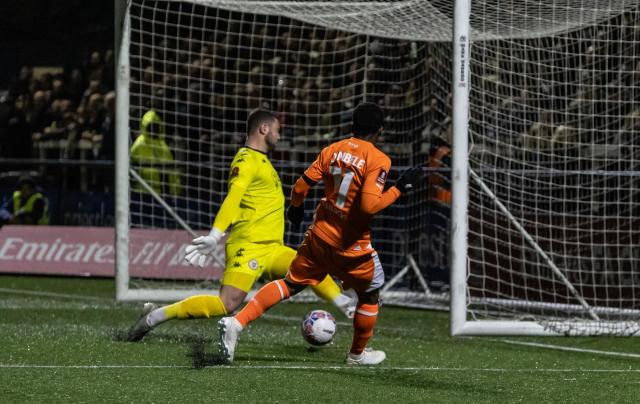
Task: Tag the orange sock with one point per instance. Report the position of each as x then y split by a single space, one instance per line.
363 322
268 296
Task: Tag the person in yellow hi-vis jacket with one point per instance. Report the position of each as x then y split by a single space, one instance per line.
27 206
152 158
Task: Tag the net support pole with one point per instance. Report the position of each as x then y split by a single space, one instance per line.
170 210
122 161
460 164
162 202
536 247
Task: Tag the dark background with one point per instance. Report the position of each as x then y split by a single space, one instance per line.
52 33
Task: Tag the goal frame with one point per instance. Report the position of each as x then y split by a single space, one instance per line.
462 320
122 170
461 172
122 159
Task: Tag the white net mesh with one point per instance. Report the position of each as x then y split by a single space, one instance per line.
554 117
203 69
554 121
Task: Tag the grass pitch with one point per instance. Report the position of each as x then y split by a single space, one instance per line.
59 339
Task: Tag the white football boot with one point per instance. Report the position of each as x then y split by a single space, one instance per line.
367 357
141 328
230 330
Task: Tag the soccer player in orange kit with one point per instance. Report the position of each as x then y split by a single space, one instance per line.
338 242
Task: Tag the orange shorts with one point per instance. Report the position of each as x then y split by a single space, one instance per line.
358 268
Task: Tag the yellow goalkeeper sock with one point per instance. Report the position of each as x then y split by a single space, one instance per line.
327 290
199 306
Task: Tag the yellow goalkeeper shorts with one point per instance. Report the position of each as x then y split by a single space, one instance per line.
246 263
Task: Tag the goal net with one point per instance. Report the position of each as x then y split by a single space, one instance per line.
552 163
202 66
554 170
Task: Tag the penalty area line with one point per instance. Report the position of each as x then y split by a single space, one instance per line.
568 348
301 367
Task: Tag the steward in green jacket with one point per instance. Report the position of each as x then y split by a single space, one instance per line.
151 157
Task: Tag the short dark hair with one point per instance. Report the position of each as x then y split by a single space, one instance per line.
368 118
257 117
26 180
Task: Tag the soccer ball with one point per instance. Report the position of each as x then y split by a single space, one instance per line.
318 327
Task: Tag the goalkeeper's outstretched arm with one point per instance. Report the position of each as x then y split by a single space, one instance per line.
230 208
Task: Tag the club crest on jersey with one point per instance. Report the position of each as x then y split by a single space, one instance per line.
235 172
382 177
253 264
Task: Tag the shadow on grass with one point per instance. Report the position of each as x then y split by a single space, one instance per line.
121 335
201 359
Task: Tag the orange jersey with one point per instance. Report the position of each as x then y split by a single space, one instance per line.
354 173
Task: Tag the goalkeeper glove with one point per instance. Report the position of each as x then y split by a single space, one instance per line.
295 214
409 179
196 253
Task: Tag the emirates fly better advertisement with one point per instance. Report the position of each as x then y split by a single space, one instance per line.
90 251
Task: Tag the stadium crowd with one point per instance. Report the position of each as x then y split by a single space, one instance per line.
202 76
62 114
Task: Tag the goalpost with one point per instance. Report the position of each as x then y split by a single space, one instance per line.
542 98
546 214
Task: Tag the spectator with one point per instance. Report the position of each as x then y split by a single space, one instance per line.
92 117
15 140
58 89
44 83
22 85
108 70
63 122
150 155
108 128
439 181
151 149
40 114
76 86
28 205
106 141
95 68
95 87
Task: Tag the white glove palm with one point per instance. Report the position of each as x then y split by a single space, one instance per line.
196 253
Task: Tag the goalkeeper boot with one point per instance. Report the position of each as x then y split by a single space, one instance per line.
230 330
141 328
349 309
367 357
346 302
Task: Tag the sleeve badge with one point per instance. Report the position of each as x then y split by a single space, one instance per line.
382 177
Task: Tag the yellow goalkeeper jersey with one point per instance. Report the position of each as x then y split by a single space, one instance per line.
254 205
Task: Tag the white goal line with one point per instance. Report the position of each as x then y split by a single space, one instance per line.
329 367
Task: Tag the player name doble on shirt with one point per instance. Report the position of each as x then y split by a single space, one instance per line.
348 158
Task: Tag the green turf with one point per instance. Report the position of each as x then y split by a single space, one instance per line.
61 348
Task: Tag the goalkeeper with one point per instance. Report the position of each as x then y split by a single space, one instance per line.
254 207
